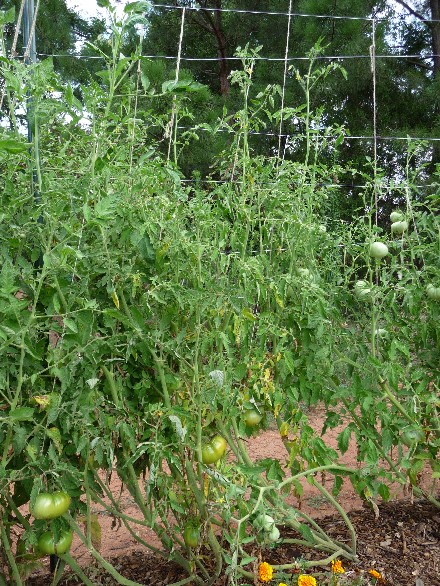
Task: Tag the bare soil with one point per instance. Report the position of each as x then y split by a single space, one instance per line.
402 542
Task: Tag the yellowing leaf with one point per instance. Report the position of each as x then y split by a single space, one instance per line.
284 429
248 314
96 531
279 301
55 436
43 401
115 299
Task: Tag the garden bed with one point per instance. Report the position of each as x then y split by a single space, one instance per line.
402 543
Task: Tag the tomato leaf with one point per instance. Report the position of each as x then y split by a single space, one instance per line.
21 414
306 532
70 324
12 146
19 439
55 435
344 439
138 7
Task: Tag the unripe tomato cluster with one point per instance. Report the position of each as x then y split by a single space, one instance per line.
213 450
48 506
379 250
266 524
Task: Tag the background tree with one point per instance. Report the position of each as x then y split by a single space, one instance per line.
58 30
406 89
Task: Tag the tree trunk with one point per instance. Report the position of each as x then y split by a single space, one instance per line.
213 24
434 27
225 86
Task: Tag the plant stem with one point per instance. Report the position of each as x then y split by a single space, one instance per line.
6 545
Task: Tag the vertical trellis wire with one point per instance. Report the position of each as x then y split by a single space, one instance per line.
283 93
174 108
30 57
141 32
373 71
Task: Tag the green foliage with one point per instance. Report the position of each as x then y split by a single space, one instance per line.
141 316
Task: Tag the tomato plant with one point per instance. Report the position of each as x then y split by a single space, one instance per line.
50 505
48 546
25 553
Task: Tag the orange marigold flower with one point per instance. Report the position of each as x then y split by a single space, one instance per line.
265 572
304 580
337 567
375 574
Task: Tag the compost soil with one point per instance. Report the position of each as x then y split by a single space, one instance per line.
399 539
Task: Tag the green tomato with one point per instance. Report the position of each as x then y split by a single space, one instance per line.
209 455
361 284
213 450
266 522
50 506
378 250
191 535
362 289
433 292
274 534
381 333
252 417
48 546
219 444
396 216
399 227
412 436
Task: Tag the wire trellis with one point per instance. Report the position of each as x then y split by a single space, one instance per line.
281 135
256 58
272 13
